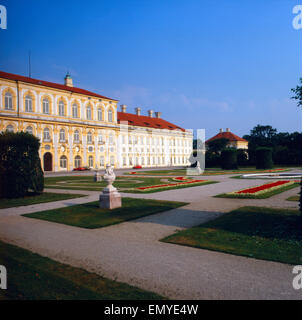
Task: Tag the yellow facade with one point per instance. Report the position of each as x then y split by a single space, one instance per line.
81 130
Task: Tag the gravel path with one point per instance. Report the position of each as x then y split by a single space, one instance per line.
131 252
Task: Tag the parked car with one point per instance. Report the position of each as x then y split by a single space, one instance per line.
137 167
81 169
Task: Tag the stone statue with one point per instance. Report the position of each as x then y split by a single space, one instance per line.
110 198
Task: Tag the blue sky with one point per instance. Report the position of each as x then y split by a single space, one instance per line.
204 64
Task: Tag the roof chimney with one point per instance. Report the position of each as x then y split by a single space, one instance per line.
227 129
220 130
123 108
150 113
138 111
158 115
68 80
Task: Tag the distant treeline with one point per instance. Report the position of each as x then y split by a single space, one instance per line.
286 147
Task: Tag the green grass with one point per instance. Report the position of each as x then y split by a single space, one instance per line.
170 188
33 198
212 171
124 184
265 195
90 216
293 198
258 232
33 277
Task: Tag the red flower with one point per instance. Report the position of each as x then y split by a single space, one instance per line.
263 187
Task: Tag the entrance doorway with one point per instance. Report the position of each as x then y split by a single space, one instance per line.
47 161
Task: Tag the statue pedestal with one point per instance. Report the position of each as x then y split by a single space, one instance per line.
194 171
110 198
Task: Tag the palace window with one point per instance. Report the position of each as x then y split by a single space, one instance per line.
46 106
89 137
10 128
28 103
110 116
100 114
77 161
111 140
29 130
112 160
8 101
46 134
88 113
100 137
102 161
76 137
61 108
62 135
75 110
63 162
90 161
124 161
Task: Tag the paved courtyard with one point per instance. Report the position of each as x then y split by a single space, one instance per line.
132 253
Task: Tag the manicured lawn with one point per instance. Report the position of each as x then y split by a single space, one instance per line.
36 198
124 183
197 184
264 195
258 232
293 198
33 277
90 216
207 172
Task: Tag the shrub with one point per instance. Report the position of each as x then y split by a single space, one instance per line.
212 159
242 157
20 165
264 158
228 159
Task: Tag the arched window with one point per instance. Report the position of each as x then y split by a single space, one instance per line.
75 110
28 103
46 105
76 137
63 162
62 135
8 105
77 161
100 138
90 161
111 139
100 114
88 113
112 160
61 108
110 116
89 137
46 134
10 128
29 129
102 161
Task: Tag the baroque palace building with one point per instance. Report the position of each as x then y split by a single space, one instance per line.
80 128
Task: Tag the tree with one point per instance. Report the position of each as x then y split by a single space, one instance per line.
229 159
217 145
20 165
298 94
261 136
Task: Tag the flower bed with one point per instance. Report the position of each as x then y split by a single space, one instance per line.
182 182
263 191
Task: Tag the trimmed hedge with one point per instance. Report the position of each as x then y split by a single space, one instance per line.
229 159
264 159
20 165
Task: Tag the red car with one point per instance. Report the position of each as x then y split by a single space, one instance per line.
81 169
137 167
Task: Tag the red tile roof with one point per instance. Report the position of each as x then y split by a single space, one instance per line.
145 121
15 77
227 135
